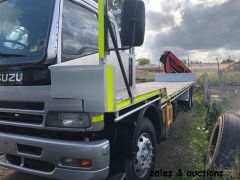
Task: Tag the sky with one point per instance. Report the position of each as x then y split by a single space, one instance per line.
201 30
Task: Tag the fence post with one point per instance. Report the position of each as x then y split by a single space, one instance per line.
221 86
218 68
205 86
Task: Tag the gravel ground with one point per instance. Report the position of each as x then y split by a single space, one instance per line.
173 154
4 171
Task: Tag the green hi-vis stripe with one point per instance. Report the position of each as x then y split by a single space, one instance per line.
101 31
146 96
137 99
123 104
110 88
98 118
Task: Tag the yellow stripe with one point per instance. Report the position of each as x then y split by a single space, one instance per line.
101 31
146 96
140 98
98 118
163 100
110 88
123 104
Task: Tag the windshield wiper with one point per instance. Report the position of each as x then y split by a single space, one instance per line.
4 55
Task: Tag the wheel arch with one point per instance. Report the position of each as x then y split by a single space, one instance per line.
126 130
153 113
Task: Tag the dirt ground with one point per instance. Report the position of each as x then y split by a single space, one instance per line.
175 153
172 154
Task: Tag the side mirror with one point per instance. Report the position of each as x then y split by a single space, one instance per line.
133 23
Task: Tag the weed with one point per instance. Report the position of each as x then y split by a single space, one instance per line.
198 134
214 113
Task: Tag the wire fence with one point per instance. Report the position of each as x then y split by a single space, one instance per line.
224 87
230 87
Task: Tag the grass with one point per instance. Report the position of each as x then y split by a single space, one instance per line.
230 78
214 113
196 137
145 76
213 78
198 134
199 127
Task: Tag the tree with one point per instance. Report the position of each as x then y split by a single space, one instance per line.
143 61
227 61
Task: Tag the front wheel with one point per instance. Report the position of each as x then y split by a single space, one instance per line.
143 159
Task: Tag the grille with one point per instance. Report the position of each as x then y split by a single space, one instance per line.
30 163
21 118
26 149
22 105
38 165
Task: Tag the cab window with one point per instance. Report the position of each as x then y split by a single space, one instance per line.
79 31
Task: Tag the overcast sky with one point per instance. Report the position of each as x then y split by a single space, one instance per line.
197 29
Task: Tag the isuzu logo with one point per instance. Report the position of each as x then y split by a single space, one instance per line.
11 77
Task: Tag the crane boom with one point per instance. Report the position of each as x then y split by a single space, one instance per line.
172 64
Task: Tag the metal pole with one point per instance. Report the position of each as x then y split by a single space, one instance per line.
135 110
110 28
229 61
221 86
218 68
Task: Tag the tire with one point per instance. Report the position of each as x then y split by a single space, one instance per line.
145 133
190 100
224 142
186 105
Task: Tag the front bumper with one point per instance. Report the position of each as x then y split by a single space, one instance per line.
52 152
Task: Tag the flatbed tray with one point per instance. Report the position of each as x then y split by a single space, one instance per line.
144 90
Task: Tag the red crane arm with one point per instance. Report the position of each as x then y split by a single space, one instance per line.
172 64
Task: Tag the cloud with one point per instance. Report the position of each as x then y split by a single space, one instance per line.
159 20
190 28
207 3
205 28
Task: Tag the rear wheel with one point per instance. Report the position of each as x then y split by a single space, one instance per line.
143 160
175 110
187 105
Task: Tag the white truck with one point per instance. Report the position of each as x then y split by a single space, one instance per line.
70 107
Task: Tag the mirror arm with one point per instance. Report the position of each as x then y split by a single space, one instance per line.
120 49
118 56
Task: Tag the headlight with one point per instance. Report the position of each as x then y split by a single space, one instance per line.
68 120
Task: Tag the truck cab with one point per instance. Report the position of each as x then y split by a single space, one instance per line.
52 88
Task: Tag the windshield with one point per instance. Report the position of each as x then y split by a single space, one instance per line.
24 29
